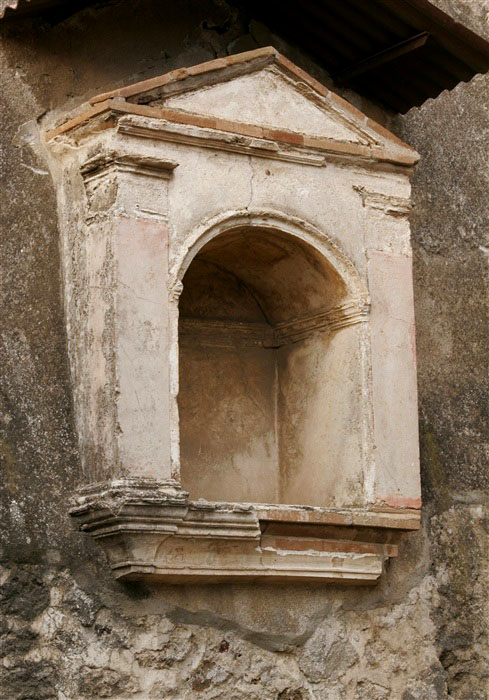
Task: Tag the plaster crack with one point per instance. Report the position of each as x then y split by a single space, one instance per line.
102 287
252 178
151 301
36 171
134 389
246 387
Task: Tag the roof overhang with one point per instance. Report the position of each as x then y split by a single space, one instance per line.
397 53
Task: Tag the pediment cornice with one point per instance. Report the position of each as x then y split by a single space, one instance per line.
242 95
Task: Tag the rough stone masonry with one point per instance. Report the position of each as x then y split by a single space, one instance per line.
68 630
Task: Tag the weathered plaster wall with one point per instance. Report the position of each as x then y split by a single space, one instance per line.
68 630
450 226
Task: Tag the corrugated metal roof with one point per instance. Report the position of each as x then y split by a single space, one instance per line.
398 52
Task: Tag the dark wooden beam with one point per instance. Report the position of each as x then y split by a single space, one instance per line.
382 57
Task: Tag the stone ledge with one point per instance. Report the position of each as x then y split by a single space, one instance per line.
152 531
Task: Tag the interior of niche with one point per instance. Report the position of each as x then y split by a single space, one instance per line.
267 388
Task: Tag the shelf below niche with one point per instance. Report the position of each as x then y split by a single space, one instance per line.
150 530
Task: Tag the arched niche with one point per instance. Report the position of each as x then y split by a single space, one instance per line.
296 413
270 372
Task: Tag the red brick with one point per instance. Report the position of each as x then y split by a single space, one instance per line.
183 73
285 136
302 75
76 121
247 56
207 67
385 133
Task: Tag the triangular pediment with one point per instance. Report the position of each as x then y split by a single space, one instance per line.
257 93
269 98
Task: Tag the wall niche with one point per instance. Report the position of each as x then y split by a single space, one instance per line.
267 387
238 294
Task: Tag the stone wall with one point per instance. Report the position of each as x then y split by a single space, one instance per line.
451 239
68 630
450 226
